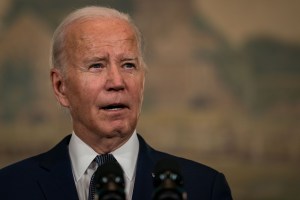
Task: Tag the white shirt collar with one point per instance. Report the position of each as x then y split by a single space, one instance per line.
82 155
127 154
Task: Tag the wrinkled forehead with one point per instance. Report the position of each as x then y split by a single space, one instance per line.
100 31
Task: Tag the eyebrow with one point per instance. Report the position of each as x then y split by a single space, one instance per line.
129 59
95 59
122 58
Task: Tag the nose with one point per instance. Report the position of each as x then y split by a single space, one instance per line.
115 79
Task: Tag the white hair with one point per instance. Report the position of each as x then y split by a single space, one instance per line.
58 57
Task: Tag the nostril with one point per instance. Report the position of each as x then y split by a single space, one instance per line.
116 88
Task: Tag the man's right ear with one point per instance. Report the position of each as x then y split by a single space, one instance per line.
58 86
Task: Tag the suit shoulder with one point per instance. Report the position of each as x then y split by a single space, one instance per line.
199 177
21 166
32 164
186 164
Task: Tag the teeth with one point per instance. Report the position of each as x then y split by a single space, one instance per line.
116 107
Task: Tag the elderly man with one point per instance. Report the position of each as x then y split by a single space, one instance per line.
98 74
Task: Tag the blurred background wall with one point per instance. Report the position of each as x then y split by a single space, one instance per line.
223 86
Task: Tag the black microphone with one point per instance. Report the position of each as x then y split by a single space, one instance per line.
168 181
109 180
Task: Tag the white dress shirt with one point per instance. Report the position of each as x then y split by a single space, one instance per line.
83 167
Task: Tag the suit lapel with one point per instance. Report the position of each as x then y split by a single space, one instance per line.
57 182
143 181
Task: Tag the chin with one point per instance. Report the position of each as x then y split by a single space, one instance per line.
117 128
116 132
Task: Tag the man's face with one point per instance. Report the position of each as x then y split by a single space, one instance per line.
104 80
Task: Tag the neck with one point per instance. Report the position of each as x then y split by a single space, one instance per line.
104 144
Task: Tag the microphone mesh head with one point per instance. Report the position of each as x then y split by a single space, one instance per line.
167 170
111 170
112 167
110 182
168 181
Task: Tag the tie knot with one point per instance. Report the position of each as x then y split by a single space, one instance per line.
101 159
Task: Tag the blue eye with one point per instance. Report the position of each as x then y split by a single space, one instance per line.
129 65
96 65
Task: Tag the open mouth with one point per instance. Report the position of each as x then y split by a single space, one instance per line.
114 107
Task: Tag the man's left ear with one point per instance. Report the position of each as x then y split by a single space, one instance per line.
58 86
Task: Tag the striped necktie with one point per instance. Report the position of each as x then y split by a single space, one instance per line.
100 160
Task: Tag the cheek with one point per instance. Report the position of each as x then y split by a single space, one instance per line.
139 91
82 89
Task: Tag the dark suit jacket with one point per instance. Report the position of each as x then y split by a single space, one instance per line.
49 176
